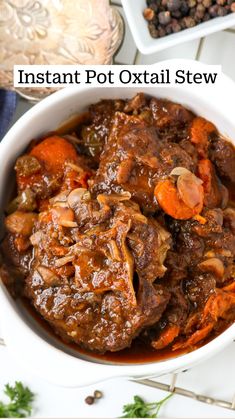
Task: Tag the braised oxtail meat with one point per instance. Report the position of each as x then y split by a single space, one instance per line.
85 288
123 228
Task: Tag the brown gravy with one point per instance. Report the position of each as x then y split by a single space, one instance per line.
138 353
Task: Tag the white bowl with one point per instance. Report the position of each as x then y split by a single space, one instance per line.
148 45
30 344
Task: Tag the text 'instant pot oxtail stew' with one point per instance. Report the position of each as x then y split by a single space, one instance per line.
165 17
123 228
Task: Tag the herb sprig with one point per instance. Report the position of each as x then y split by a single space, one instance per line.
141 409
20 401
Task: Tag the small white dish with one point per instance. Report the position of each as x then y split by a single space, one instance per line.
148 45
30 344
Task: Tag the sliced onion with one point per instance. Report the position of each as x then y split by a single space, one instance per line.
68 223
36 238
47 275
115 253
72 138
61 197
141 218
78 195
63 261
224 195
214 265
74 167
61 204
20 222
112 198
178 171
190 189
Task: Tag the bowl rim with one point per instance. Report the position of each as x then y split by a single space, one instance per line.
54 356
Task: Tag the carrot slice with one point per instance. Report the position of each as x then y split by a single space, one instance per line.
196 337
230 287
212 194
53 152
199 134
167 336
218 305
169 200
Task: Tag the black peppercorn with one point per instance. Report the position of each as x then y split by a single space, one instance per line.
221 2
189 21
192 3
168 29
175 26
89 400
213 10
164 18
177 14
207 3
153 30
192 11
206 17
200 11
184 8
222 11
173 5
161 31
98 394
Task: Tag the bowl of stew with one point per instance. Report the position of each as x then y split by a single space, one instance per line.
117 232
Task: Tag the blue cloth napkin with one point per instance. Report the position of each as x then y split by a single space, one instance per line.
8 102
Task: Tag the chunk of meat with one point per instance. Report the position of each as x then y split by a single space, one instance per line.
133 159
198 288
129 161
229 219
136 103
170 119
18 262
20 222
222 154
98 306
149 249
95 134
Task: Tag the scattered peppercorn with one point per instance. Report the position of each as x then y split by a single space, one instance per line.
173 5
165 17
89 400
98 394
